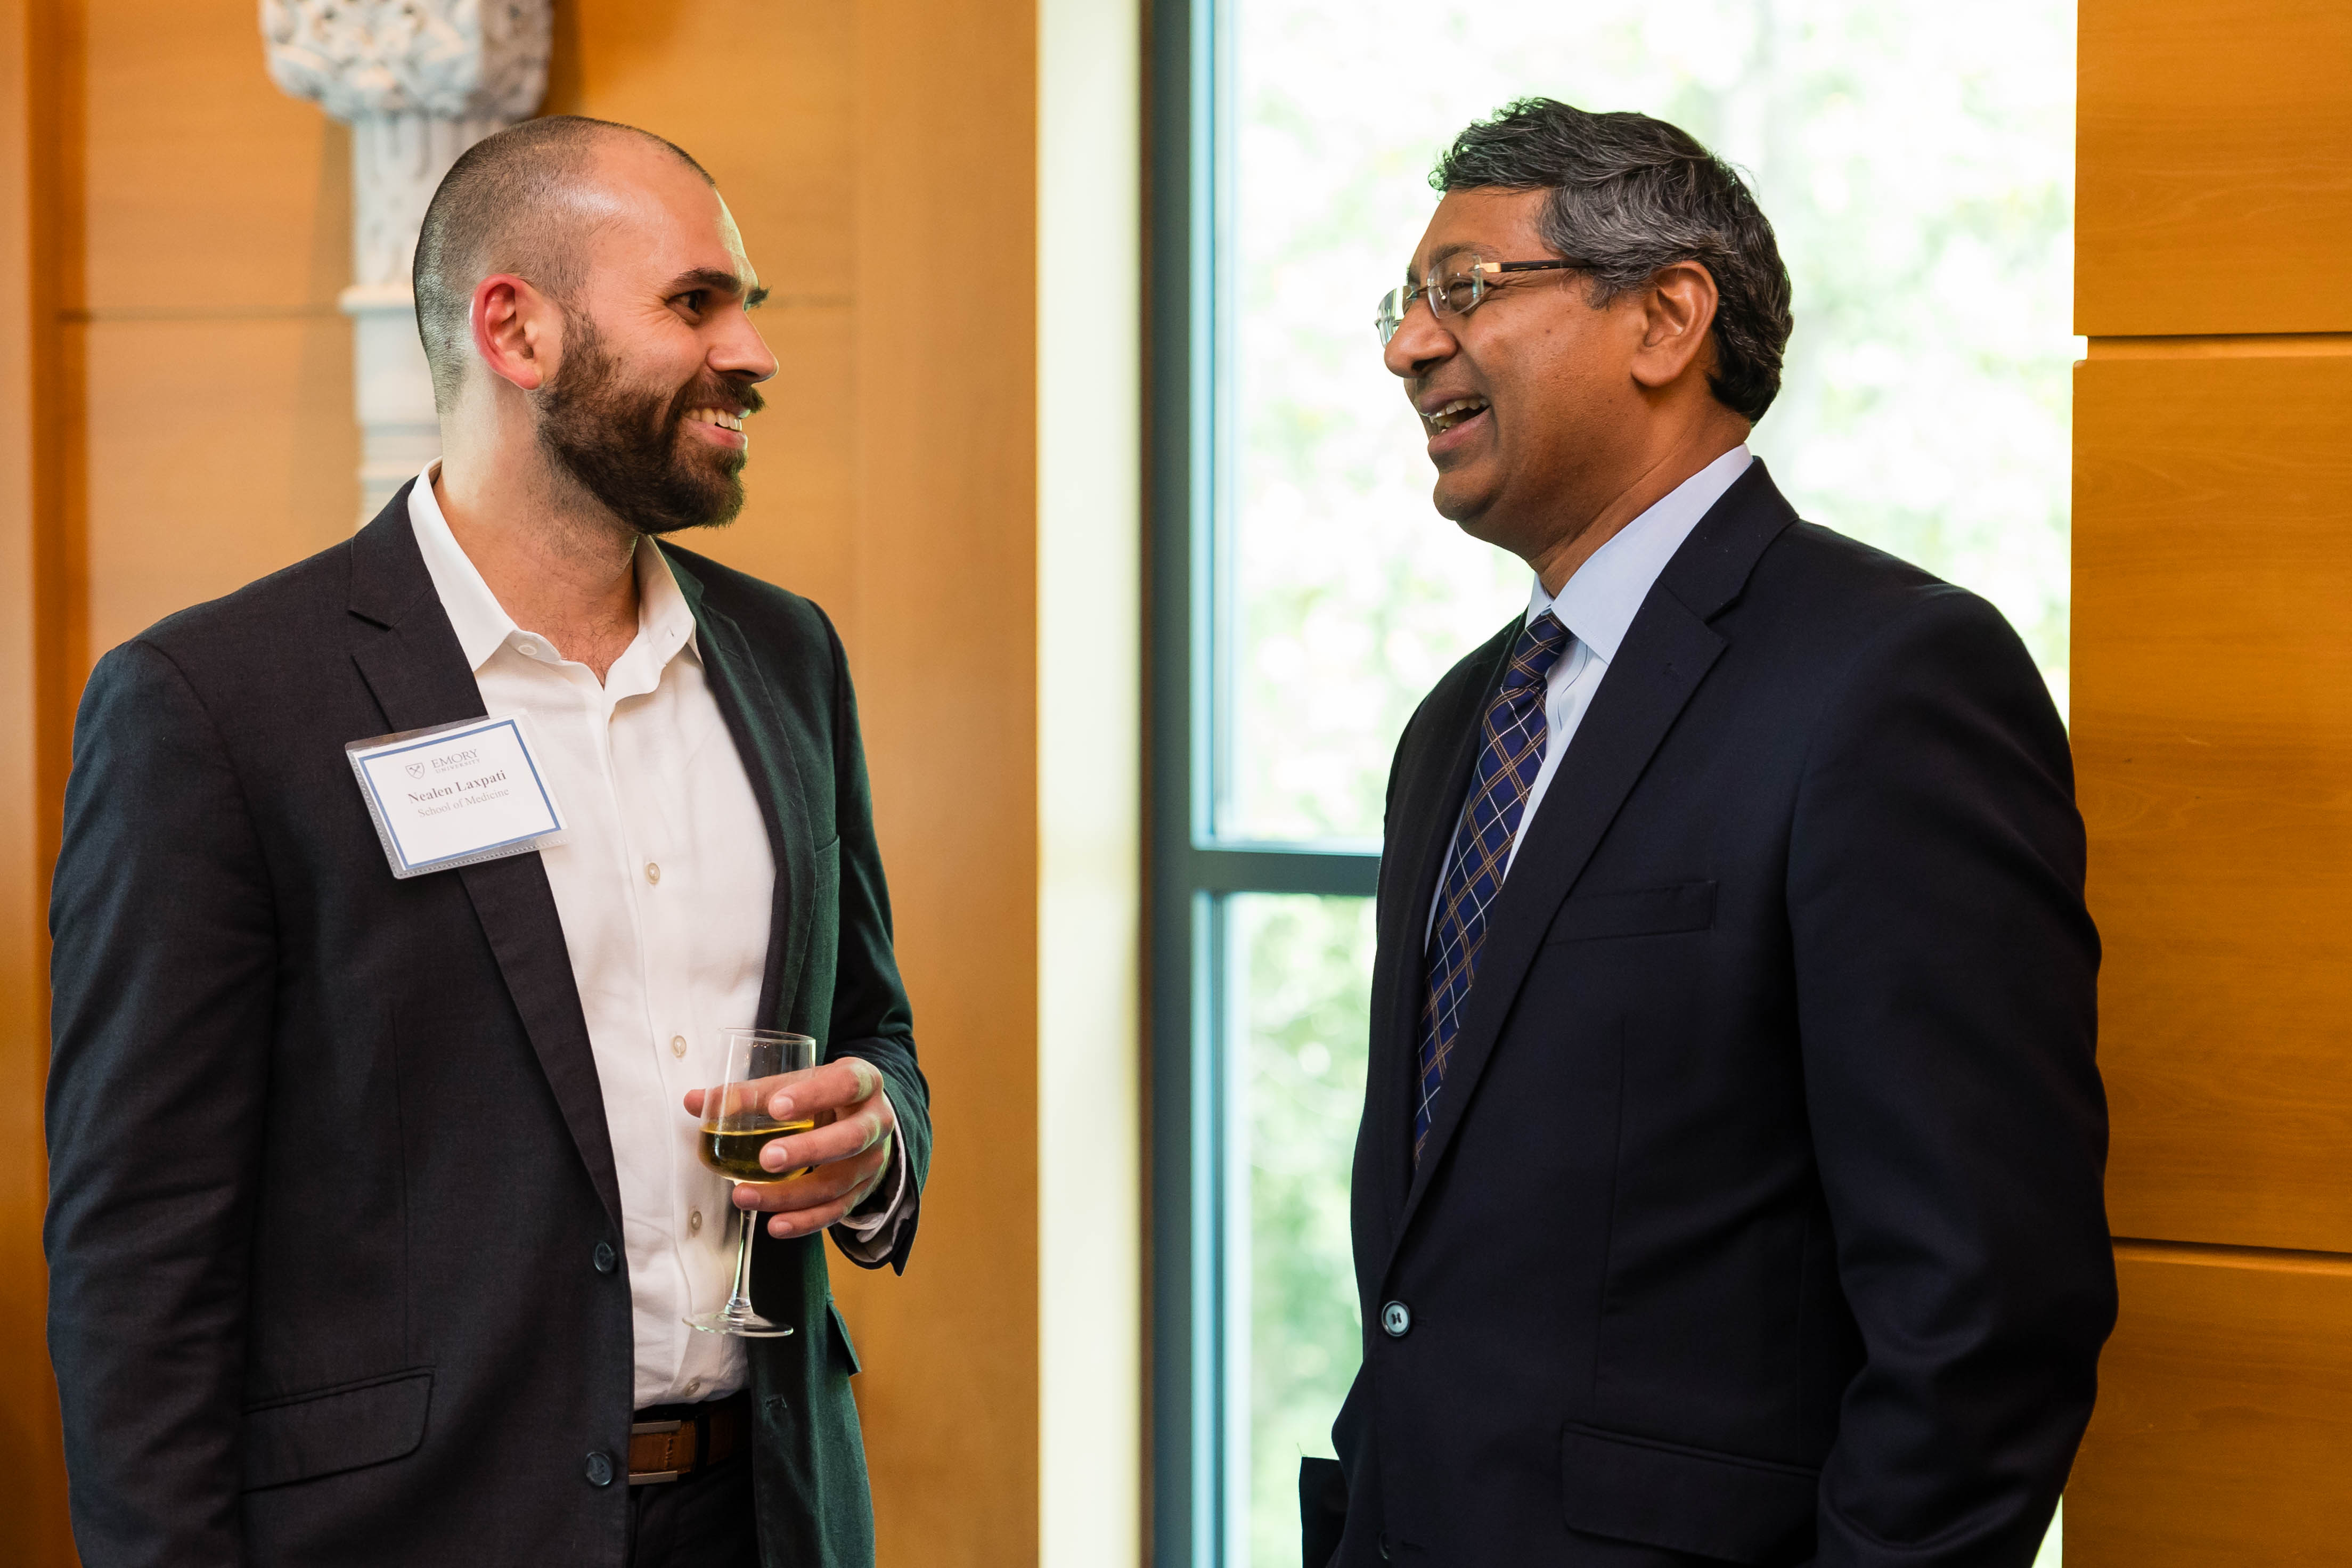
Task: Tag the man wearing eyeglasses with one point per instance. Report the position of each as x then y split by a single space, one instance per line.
1729 1181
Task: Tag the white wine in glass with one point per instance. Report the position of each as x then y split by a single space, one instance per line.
735 1127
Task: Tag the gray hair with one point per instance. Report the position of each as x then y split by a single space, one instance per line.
1632 194
501 208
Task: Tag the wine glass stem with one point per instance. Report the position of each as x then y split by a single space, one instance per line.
739 1303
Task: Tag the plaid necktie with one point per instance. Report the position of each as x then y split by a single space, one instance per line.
1508 761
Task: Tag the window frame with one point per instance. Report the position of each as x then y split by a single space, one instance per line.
1199 1400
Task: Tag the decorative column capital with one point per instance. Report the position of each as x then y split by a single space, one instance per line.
449 59
418 81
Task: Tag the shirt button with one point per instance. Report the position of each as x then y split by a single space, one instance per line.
527 649
694 1222
678 1045
693 1386
1396 1318
653 872
599 1468
606 1261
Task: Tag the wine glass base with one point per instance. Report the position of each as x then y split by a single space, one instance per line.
744 1324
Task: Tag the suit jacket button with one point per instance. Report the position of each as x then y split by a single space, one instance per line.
1396 1318
600 1469
606 1261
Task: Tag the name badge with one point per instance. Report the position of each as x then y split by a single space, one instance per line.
456 795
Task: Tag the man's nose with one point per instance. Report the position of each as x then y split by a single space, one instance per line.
1418 343
743 352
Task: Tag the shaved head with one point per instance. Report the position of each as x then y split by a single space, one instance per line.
520 201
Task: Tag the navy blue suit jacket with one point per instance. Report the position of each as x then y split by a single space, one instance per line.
1760 1221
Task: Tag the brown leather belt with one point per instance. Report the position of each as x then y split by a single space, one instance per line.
670 1442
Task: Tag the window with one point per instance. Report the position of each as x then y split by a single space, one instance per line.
1917 161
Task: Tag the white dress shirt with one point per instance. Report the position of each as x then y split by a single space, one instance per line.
665 887
1597 604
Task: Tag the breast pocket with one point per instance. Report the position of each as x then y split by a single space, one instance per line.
1646 911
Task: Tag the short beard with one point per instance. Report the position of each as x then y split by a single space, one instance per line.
623 445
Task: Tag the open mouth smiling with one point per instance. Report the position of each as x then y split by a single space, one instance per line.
722 426
1442 419
1460 411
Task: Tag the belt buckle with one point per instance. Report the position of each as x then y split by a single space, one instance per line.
656 1429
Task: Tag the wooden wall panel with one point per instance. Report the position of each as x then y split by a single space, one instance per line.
217 452
2212 659
206 373
778 134
2225 1417
2212 725
2214 166
33 1530
945 245
209 192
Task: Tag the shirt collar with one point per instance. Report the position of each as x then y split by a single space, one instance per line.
664 620
1599 602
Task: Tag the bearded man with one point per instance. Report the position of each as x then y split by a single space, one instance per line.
375 1214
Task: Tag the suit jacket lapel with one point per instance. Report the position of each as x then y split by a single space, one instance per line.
1667 653
756 725
410 659
1429 804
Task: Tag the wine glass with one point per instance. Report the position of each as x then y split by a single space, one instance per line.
735 1127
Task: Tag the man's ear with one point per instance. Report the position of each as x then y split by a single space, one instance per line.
1677 311
518 331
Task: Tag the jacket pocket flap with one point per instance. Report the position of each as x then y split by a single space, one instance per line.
1687 1499
341 1429
1651 911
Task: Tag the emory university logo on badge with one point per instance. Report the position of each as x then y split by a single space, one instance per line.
456 795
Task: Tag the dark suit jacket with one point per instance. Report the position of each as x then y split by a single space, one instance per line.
334 1234
1760 1221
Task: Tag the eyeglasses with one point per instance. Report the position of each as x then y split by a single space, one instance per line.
1454 287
